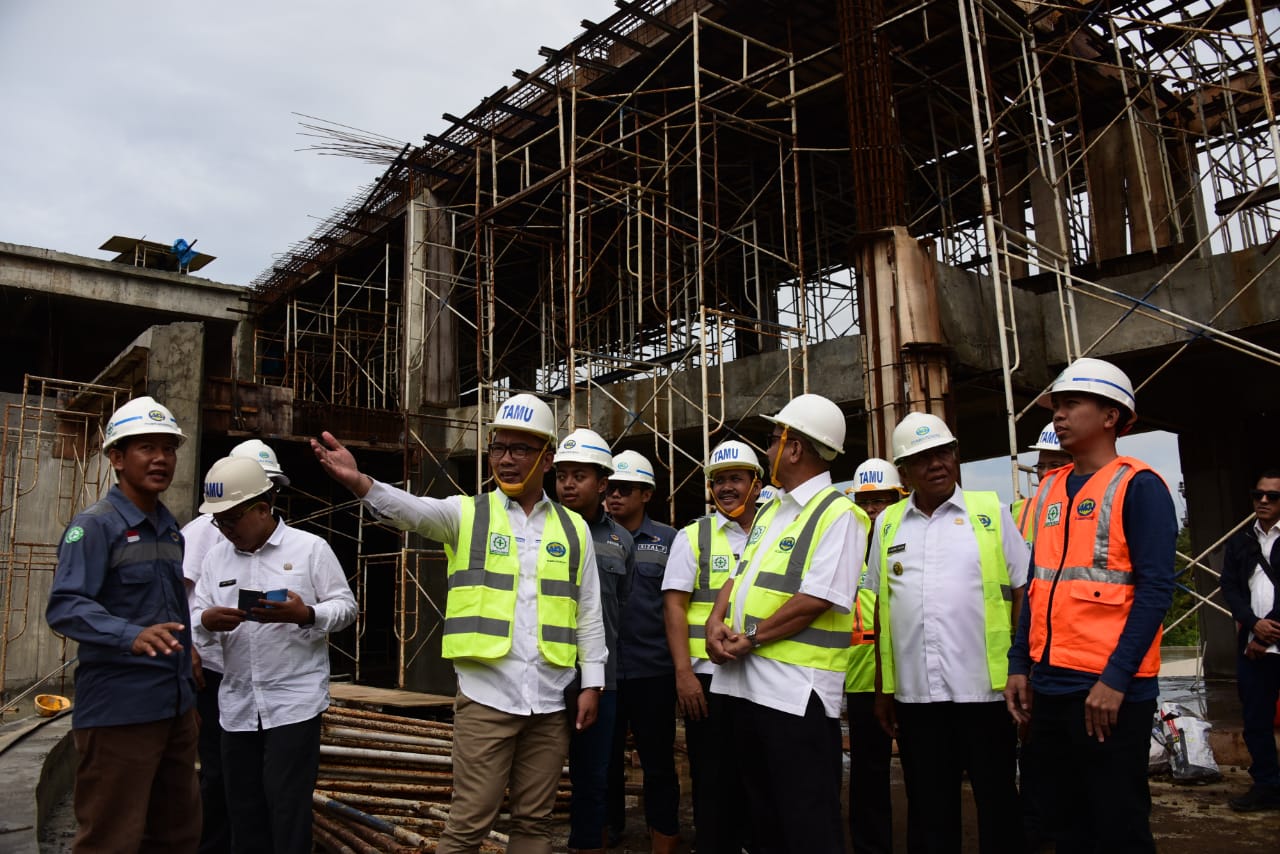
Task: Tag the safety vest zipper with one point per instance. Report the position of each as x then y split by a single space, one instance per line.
1057 575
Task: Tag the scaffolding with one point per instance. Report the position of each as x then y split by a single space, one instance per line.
687 184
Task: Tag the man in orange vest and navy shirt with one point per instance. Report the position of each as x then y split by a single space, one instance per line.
1083 666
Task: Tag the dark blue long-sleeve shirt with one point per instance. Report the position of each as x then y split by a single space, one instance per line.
119 571
1151 530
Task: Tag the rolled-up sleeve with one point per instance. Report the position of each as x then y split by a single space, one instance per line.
837 563
592 652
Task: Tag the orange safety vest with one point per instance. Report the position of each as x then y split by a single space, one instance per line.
1082 588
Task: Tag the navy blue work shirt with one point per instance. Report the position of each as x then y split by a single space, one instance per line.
616 563
642 638
119 571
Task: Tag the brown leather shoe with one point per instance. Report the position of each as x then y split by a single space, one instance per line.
664 844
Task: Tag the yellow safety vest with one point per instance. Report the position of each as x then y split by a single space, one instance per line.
861 675
484 570
714 558
997 593
824 643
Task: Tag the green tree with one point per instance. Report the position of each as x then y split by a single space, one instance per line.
1187 632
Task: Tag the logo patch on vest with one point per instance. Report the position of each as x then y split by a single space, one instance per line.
985 520
1087 507
898 549
556 549
1053 515
499 544
756 533
787 544
719 563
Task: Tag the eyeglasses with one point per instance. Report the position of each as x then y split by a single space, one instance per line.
518 451
1269 494
623 489
227 521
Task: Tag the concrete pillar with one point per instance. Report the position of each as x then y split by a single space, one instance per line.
175 377
430 337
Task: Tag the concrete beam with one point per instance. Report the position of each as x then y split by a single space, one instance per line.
60 274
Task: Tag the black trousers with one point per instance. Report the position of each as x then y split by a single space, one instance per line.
870 754
791 771
1095 794
939 743
717 782
1259 685
648 707
270 775
215 833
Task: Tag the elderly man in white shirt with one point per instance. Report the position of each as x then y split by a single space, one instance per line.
275 654
516 645
949 568
784 649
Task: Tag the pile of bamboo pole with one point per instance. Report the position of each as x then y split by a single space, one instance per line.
385 783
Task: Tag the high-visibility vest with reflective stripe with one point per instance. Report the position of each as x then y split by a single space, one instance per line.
824 643
1082 583
713 557
860 678
1024 513
484 571
997 592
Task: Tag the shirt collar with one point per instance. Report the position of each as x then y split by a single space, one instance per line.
807 490
1261 534
956 500
134 516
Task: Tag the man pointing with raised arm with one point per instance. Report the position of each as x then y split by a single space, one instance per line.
523 609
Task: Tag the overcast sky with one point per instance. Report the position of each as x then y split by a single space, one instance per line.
170 120
173 120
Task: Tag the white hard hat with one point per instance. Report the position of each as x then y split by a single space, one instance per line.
585 446
1048 440
875 475
1095 377
919 431
818 419
139 417
527 413
768 493
231 481
632 467
733 454
260 452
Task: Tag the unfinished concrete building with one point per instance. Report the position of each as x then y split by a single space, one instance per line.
696 209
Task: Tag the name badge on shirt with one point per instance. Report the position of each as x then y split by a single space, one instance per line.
898 549
230 582
499 544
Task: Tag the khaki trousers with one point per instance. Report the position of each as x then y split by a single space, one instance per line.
495 751
136 788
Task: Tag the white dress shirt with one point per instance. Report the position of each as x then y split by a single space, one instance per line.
199 536
937 619
522 682
682 569
832 576
1262 593
275 673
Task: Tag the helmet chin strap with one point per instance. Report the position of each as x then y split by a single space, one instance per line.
511 490
733 514
773 463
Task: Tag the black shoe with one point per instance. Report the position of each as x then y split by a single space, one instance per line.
1257 798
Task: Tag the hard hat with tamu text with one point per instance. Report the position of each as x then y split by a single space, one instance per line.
816 418
260 452
1048 440
733 454
585 446
1095 377
768 493
632 467
874 475
528 413
139 417
231 481
918 432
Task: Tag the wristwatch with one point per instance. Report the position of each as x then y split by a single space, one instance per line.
750 634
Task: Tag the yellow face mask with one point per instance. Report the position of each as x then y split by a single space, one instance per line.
511 490
773 461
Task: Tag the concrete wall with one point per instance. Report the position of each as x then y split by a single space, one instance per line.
175 377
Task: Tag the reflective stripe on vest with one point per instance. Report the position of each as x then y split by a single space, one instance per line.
997 592
714 558
1081 589
824 643
1028 518
483 572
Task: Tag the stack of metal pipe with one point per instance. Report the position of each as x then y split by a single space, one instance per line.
385 783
